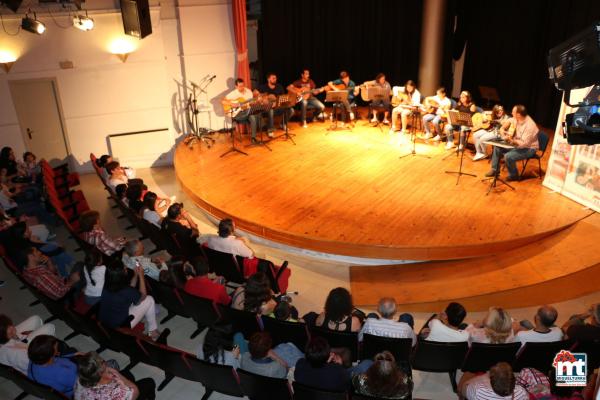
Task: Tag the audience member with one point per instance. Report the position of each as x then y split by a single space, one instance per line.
544 329
133 255
94 271
154 208
120 299
386 326
255 295
177 274
98 381
40 273
49 368
30 166
284 311
134 195
121 193
202 286
498 383
116 174
93 233
8 161
446 327
227 242
337 315
180 224
384 379
221 346
321 368
14 340
261 359
577 329
101 162
495 328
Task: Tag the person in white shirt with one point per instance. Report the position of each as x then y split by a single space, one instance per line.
153 208
413 98
440 104
93 272
117 175
544 330
237 96
134 253
386 326
496 327
14 340
499 383
227 242
446 326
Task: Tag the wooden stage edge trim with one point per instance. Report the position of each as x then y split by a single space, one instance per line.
368 251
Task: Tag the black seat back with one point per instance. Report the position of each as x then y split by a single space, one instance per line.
592 349
284 332
303 392
224 264
243 321
169 297
348 340
439 356
214 377
539 355
482 356
203 311
258 387
372 344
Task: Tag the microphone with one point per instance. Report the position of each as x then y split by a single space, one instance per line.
194 85
211 78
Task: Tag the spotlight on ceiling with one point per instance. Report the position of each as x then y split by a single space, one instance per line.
33 25
83 22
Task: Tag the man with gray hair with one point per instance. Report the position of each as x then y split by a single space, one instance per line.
386 326
544 329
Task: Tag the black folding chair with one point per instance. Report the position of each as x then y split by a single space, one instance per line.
203 311
303 392
348 340
224 264
372 344
214 377
440 357
482 356
539 355
592 349
258 387
284 332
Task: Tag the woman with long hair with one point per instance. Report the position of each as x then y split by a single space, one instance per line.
337 315
495 328
255 295
93 271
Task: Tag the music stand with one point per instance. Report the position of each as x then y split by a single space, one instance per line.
337 97
496 177
462 119
285 102
371 94
414 115
257 108
232 149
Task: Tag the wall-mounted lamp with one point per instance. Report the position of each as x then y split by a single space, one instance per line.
122 48
7 60
33 25
83 22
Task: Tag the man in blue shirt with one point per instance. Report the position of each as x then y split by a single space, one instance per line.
345 83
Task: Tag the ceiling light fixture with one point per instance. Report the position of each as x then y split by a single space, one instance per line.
33 25
82 22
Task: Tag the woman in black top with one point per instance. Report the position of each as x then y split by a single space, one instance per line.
337 315
465 104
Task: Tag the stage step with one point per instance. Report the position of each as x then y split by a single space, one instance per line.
559 267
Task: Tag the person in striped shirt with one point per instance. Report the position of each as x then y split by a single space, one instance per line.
498 383
386 326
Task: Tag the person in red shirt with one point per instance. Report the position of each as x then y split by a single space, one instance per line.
202 286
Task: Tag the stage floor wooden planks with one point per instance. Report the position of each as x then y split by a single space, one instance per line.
348 192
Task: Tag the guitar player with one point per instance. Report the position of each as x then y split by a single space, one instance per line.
522 132
488 131
237 97
272 89
306 87
345 83
435 109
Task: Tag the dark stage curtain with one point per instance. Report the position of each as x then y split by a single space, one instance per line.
508 43
326 36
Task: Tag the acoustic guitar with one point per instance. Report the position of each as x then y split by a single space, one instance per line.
401 98
480 121
305 93
237 104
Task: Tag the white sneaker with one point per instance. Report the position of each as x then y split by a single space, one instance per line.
460 147
373 121
479 156
305 125
437 138
427 136
404 131
351 116
450 145
386 122
392 131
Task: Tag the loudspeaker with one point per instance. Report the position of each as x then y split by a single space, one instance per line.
136 18
12 4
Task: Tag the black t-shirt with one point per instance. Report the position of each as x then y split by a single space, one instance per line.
264 88
114 306
184 235
333 377
10 165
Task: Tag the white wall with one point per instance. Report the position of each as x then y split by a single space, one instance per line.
101 95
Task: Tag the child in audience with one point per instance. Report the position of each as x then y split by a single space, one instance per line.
50 369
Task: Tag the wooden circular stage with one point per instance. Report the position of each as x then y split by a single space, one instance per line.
349 193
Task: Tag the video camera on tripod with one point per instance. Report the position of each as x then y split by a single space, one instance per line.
575 64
